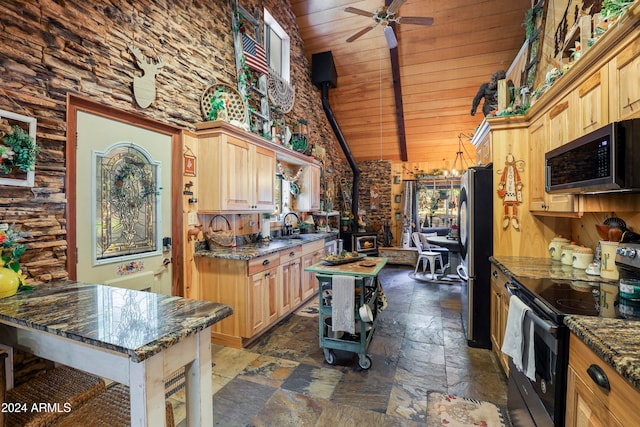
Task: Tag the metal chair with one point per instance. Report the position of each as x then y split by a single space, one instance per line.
424 255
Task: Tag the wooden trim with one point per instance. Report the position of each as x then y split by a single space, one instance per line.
77 103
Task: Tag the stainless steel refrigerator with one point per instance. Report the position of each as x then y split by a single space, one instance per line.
475 221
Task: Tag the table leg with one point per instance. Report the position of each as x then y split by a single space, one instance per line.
146 388
198 388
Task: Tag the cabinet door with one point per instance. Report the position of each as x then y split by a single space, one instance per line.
257 303
289 289
272 284
310 283
583 408
295 283
309 198
560 124
235 176
624 70
264 179
499 312
592 103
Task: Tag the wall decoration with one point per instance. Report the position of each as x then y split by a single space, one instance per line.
510 190
126 216
190 163
18 149
281 93
144 87
130 267
397 198
396 179
374 192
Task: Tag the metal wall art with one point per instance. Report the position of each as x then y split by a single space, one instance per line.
127 213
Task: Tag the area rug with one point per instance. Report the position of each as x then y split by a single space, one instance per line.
310 309
455 411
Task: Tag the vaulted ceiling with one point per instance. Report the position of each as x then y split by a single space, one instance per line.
440 70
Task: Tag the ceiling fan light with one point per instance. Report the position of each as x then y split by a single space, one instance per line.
391 37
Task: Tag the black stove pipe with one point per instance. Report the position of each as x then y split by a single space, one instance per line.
324 86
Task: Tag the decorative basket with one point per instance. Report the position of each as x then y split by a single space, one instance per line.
235 108
217 236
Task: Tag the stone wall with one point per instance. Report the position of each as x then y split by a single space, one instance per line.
51 48
376 175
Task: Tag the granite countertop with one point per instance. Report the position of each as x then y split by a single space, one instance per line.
617 341
542 268
254 250
139 324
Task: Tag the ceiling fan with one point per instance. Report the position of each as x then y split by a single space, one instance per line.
386 15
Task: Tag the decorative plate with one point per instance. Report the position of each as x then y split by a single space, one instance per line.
339 261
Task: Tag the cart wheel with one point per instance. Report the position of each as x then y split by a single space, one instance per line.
329 356
364 361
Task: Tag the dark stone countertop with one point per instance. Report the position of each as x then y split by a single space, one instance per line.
139 324
616 341
254 250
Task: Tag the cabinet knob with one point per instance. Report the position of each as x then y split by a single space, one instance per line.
267 274
292 253
266 262
494 273
599 376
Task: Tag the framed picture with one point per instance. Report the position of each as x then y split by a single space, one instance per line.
397 198
28 125
396 179
189 165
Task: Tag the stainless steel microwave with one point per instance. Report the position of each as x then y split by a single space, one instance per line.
605 160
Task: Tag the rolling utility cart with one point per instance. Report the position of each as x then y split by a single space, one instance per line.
368 292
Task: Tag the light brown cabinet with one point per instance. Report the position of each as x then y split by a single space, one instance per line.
311 253
235 175
261 291
592 103
591 404
499 313
539 144
624 70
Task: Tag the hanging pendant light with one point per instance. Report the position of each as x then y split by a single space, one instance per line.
459 155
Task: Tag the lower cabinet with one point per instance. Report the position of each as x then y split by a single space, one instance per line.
261 291
499 313
311 253
591 404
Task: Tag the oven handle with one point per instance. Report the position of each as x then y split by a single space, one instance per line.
546 326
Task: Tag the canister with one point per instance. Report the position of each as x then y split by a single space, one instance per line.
566 254
608 268
555 247
582 257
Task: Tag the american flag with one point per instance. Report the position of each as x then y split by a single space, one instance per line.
255 55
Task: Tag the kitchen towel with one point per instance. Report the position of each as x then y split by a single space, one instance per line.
343 303
519 337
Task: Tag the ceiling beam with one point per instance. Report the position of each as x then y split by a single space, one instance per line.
397 93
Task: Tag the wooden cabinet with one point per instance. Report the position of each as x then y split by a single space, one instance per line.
290 275
624 70
311 253
309 198
499 313
539 144
482 141
590 404
261 291
592 103
235 175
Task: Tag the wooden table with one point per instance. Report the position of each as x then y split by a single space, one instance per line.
131 337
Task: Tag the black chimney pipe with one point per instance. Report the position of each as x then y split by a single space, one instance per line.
325 86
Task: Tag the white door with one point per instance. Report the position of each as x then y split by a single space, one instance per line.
123 204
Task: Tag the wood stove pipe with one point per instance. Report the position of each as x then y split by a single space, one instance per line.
324 86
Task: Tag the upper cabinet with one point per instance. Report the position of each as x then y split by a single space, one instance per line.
237 170
624 70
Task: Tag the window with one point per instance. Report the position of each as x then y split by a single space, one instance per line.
277 45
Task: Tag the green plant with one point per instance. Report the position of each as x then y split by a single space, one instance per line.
217 104
614 8
11 250
18 150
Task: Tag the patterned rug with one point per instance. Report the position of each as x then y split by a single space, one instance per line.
310 309
454 411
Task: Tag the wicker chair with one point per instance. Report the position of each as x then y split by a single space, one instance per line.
66 389
109 409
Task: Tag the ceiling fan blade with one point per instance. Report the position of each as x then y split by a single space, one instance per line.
362 32
358 11
416 20
394 6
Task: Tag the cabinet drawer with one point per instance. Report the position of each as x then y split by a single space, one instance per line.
307 248
289 254
622 398
256 265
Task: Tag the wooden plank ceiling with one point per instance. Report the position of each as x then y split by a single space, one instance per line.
441 68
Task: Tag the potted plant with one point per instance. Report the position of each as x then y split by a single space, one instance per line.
17 149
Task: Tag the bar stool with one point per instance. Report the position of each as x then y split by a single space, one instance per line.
426 255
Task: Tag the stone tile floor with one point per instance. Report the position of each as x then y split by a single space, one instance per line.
418 346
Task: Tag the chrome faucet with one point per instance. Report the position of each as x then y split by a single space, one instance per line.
287 228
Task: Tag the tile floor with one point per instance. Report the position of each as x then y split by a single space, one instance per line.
418 346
